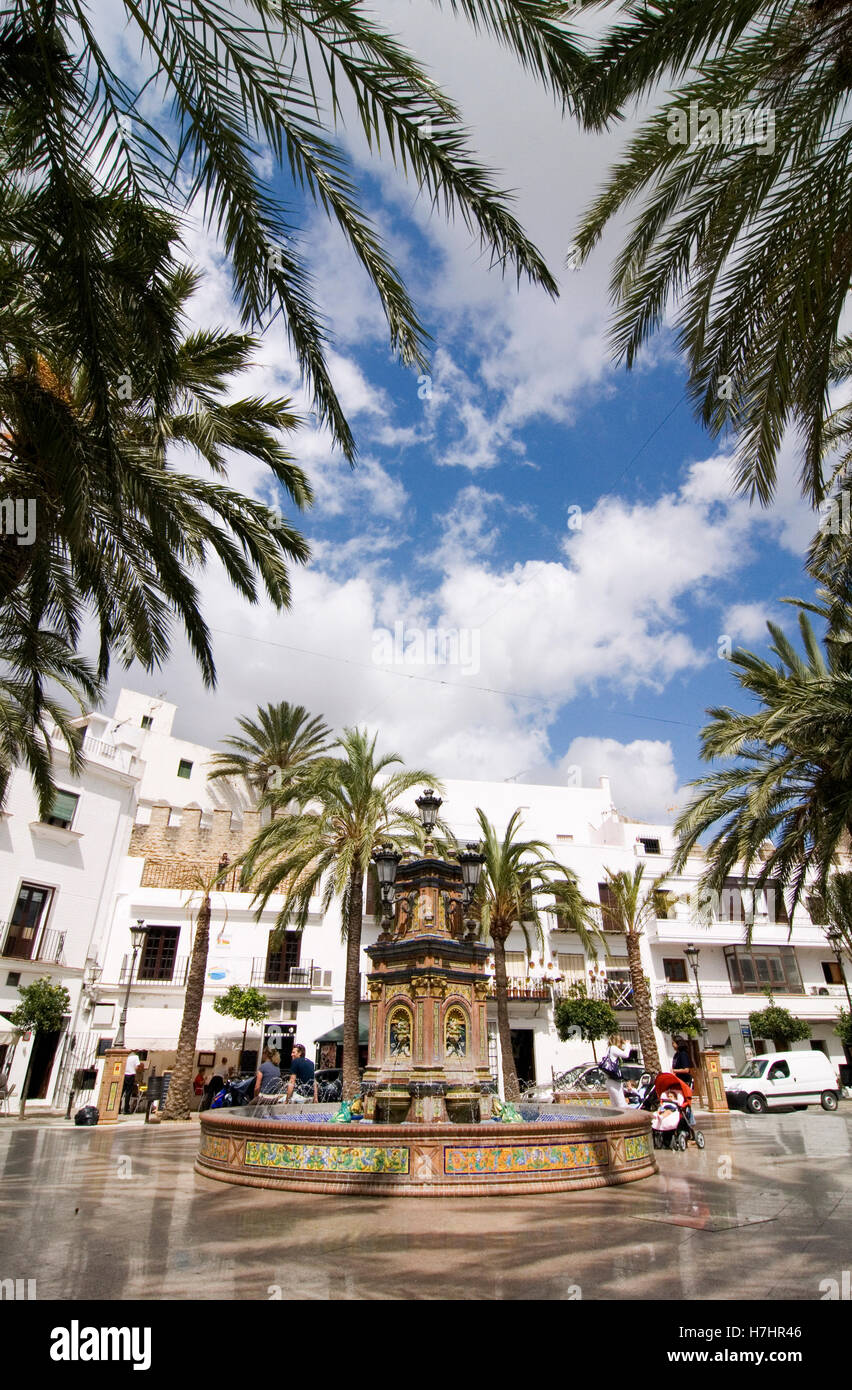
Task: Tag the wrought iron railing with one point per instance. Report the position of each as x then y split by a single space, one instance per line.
158 975
48 947
307 976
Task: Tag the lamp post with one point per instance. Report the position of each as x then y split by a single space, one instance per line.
137 937
386 859
692 953
471 860
428 805
835 940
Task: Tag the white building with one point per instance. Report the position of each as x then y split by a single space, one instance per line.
58 881
183 825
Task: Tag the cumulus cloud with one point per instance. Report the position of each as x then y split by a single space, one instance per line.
642 774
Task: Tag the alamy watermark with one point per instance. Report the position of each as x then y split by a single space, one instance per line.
708 125
430 646
18 518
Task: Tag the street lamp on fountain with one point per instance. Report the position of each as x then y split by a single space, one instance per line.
471 860
137 938
386 859
428 805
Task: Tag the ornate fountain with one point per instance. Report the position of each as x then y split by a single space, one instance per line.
432 1124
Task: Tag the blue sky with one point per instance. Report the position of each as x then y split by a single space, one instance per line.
571 519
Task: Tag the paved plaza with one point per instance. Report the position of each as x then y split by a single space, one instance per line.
765 1212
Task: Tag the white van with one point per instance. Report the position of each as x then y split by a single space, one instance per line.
784 1079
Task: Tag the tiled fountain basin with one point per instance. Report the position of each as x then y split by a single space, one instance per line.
572 1150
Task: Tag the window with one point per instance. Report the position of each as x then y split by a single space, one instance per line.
283 957
567 838
27 917
146 721
62 810
516 965
157 961
650 846
571 966
831 972
607 901
675 971
778 1071
184 769
752 971
13 979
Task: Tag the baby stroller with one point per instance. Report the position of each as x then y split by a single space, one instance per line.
670 1125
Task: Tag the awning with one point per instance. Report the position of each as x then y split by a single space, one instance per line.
8 1036
335 1035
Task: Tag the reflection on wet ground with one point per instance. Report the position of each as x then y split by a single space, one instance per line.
764 1212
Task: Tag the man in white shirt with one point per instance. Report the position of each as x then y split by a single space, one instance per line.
129 1087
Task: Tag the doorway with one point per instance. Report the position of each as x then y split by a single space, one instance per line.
523 1055
41 1064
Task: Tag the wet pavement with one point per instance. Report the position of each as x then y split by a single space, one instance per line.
764 1212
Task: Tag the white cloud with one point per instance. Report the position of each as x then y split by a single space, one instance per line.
642 774
746 622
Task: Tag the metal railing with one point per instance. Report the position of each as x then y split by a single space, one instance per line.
178 976
48 947
307 976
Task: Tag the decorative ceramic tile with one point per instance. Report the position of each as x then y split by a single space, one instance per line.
636 1146
525 1158
327 1158
212 1146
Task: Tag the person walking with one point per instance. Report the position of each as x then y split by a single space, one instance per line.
617 1052
302 1085
682 1068
128 1090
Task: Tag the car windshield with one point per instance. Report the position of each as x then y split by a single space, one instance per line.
752 1070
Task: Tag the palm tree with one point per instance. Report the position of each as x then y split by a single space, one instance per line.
178 1100
628 910
232 86
274 748
746 236
35 665
838 908
351 805
785 805
513 872
126 539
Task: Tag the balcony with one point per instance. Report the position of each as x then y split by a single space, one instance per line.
305 979
177 979
813 1003
48 948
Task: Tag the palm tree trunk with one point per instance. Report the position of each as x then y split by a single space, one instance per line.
642 1004
352 986
245 1030
511 1089
178 1105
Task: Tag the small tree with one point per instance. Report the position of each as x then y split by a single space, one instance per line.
678 1017
594 1017
244 1002
42 1008
843 1028
779 1026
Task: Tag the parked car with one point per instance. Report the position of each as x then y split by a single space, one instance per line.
784 1080
589 1077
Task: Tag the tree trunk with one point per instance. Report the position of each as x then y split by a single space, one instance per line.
642 1004
352 986
178 1105
511 1089
245 1030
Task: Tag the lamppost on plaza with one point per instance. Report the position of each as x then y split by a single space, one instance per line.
386 859
835 940
137 937
471 860
428 805
692 953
